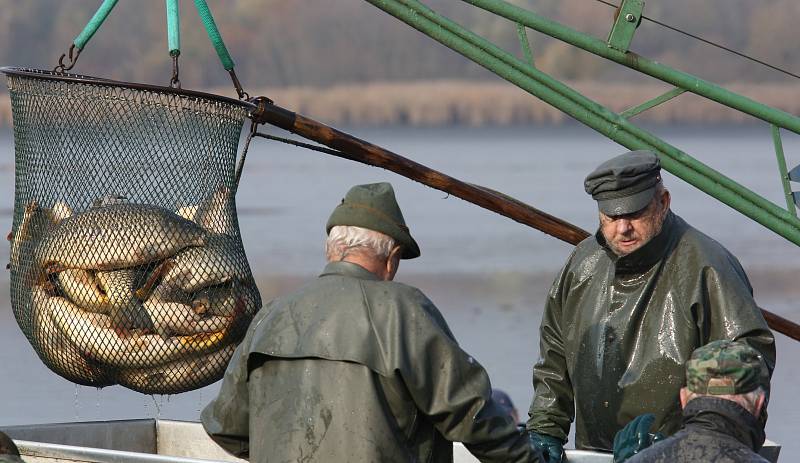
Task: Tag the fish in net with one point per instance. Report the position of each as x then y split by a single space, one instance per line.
127 264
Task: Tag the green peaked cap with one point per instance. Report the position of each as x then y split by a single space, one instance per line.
375 207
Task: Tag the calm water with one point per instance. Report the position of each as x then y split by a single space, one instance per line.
486 273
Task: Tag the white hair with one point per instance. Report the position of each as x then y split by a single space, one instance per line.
748 400
344 239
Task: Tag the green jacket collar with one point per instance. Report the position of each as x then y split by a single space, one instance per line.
348 269
655 250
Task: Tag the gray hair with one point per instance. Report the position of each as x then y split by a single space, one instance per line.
344 239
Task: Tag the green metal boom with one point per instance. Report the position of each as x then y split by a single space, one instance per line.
600 118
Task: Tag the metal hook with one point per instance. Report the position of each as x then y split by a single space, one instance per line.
239 90
73 58
175 82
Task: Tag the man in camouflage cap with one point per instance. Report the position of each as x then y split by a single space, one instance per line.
627 310
355 367
725 394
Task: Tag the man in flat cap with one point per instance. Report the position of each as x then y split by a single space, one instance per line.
627 310
354 367
725 394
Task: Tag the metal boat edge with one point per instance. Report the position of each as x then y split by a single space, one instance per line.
169 441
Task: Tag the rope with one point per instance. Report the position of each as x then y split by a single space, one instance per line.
289 141
173 28
94 23
255 133
709 42
213 34
243 157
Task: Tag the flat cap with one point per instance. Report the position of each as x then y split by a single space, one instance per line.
375 207
624 184
726 368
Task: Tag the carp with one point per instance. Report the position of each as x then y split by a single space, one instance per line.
93 334
56 350
179 376
228 300
122 306
111 293
221 260
175 318
116 236
82 288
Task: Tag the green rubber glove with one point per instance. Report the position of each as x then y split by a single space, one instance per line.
552 449
635 437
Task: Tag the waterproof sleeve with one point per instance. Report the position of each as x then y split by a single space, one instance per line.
226 419
553 407
450 387
730 312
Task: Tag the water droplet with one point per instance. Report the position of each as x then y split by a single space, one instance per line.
75 404
156 405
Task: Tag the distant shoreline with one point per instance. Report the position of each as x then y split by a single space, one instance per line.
476 104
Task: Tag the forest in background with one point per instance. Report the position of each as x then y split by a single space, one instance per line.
313 46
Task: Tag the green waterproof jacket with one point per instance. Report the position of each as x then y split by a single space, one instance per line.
351 368
616 331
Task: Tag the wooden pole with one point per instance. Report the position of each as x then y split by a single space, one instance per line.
353 148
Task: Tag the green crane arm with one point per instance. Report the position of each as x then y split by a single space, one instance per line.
612 125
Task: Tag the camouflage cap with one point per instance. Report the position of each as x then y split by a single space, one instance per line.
726 368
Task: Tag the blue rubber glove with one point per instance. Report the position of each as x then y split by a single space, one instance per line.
635 437
552 449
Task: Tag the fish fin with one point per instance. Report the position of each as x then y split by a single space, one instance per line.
158 273
203 340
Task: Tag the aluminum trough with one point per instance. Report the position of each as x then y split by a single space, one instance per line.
166 441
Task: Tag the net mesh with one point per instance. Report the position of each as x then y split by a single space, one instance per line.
127 265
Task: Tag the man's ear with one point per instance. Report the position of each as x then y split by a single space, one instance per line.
666 199
393 262
759 405
684 397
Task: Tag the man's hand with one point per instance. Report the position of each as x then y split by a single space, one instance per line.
635 437
552 449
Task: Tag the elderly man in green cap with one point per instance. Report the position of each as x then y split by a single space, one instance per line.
725 394
354 367
627 310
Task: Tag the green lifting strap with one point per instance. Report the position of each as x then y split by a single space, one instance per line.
213 34
173 28
94 23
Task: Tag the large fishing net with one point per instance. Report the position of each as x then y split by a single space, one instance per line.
127 265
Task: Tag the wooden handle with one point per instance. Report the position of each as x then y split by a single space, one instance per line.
362 151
